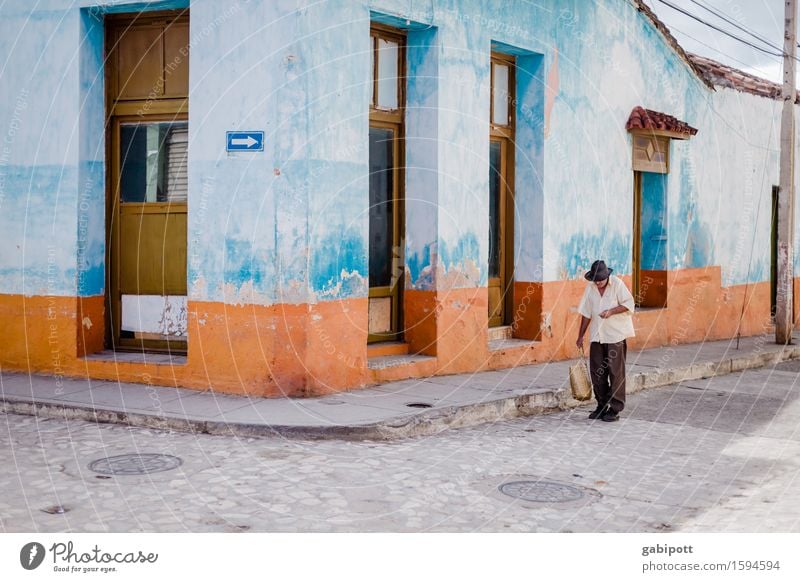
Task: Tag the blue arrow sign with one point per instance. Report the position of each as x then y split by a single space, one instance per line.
245 141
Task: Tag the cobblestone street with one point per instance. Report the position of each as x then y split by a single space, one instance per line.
710 455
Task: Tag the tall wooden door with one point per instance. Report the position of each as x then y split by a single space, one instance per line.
386 164
147 85
501 189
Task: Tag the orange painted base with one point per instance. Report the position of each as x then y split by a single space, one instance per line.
449 324
420 318
310 350
653 288
282 350
44 334
462 319
526 322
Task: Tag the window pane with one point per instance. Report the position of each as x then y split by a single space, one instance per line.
153 162
495 184
387 74
381 161
500 95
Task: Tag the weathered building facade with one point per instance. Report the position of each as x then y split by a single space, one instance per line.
294 198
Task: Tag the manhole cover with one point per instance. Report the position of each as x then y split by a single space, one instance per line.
135 464
541 491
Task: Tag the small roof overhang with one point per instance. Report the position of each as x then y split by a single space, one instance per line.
652 122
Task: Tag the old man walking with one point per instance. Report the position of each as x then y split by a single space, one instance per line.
606 309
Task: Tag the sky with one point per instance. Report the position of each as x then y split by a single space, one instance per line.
762 17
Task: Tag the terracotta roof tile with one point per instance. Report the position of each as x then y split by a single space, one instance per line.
642 118
725 76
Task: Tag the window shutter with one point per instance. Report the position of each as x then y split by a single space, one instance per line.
177 171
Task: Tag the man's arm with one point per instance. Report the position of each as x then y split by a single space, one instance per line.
584 325
613 311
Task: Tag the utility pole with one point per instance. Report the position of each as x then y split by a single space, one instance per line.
784 301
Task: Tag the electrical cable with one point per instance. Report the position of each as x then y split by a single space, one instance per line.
722 30
735 24
716 50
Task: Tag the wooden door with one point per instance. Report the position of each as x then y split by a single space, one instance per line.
386 165
148 144
501 188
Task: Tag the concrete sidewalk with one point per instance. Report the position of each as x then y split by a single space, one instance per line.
396 410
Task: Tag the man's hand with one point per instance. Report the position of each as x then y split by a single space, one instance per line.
613 311
579 343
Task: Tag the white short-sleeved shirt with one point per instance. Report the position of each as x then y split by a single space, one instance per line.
612 329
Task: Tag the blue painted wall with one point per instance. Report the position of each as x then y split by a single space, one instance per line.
39 149
290 224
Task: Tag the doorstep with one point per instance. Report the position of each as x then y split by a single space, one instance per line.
157 358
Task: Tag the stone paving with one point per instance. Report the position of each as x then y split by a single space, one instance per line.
720 454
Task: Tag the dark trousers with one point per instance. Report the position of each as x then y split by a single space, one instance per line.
607 368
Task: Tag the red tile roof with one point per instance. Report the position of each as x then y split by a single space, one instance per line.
711 72
642 118
725 76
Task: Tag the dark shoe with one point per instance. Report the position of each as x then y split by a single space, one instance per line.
597 413
610 416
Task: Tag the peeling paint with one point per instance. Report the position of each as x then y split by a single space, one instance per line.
243 294
546 324
350 284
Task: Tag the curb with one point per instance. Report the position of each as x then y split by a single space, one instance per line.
426 423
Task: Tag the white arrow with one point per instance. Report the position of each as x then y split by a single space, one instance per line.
245 141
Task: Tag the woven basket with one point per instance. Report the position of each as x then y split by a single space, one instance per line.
579 379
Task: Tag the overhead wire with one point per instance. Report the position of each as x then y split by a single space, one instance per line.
722 16
723 31
716 50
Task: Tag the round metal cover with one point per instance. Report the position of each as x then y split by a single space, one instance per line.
541 491
135 464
